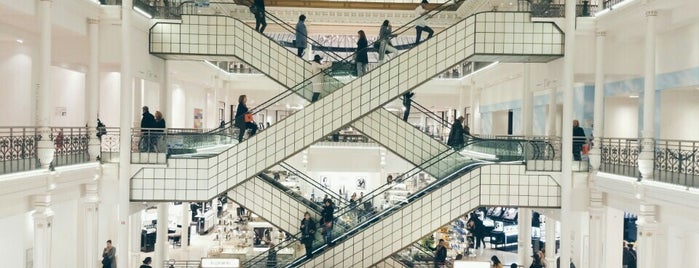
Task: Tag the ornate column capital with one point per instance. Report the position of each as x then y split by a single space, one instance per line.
42 215
601 33
651 13
93 21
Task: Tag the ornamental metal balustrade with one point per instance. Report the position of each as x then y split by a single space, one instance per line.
18 149
675 161
70 144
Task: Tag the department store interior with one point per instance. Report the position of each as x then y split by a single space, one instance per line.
462 136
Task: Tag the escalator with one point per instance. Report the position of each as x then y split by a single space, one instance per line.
298 84
375 229
469 39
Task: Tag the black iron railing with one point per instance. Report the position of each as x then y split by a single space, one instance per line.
676 162
70 144
18 149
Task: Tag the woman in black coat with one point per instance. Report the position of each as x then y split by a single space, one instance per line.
327 213
260 21
240 118
308 230
456 135
361 57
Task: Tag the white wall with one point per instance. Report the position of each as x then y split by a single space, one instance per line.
677 49
67 90
678 114
64 236
17 235
500 123
110 103
16 91
621 117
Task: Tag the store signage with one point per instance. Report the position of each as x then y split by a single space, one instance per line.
471 264
220 263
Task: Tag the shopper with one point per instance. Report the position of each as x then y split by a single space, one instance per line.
147 122
146 263
317 67
385 35
258 9
477 229
301 35
271 255
240 118
361 57
456 134
628 258
327 213
578 140
108 255
495 262
440 254
421 22
158 133
308 230
389 179
407 102
513 265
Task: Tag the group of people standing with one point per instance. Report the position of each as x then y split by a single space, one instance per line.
308 227
152 128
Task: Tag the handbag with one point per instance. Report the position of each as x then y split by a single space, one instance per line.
248 118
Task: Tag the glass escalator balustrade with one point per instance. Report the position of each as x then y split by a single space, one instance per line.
389 197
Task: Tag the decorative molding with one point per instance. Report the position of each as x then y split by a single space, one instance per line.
601 33
93 21
651 13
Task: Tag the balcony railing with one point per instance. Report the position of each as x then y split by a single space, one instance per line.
18 149
610 3
675 161
70 144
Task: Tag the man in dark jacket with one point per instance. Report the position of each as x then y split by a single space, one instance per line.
308 230
456 135
260 21
147 121
327 213
440 254
407 102
301 35
578 140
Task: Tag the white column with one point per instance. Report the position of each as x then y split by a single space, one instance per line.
161 244
647 242
43 218
475 110
125 97
645 159
92 90
524 250
91 225
612 237
133 251
596 234
550 246
45 148
166 93
598 130
527 101
551 116
567 135
186 217
690 248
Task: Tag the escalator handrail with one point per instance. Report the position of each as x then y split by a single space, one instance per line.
296 235
312 182
368 198
309 204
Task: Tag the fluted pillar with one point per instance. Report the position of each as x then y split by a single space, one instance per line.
598 128
45 148
524 246
567 136
645 159
527 101
43 219
125 96
186 217
91 225
647 240
161 242
551 116
596 245
92 89
550 245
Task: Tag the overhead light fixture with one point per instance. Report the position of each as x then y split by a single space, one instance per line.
144 13
20 41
